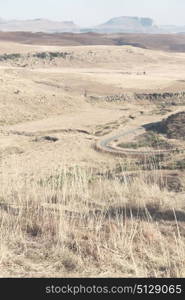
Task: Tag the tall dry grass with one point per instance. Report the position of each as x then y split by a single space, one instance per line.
76 223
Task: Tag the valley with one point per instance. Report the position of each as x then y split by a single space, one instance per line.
85 172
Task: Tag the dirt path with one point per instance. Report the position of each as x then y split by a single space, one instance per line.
164 177
106 144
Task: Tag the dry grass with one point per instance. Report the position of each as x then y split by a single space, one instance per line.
74 223
92 220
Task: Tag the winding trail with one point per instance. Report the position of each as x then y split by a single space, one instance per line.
163 177
105 145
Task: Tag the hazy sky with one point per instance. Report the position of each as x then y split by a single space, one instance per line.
93 12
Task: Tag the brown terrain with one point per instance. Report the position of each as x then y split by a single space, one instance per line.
84 173
166 42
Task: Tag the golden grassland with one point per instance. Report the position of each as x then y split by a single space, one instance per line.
75 223
67 210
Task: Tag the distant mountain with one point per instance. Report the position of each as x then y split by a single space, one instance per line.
128 25
38 25
115 25
129 21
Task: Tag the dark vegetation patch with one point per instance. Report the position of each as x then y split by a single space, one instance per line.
33 230
50 138
12 56
174 126
39 55
149 139
51 55
46 138
176 165
170 98
172 183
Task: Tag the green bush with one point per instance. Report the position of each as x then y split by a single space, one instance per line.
51 55
12 56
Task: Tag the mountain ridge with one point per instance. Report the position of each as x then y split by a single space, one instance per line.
122 24
128 24
38 25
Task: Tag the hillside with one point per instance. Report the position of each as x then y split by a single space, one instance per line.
65 204
174 126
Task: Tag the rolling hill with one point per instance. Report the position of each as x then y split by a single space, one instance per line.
165 42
